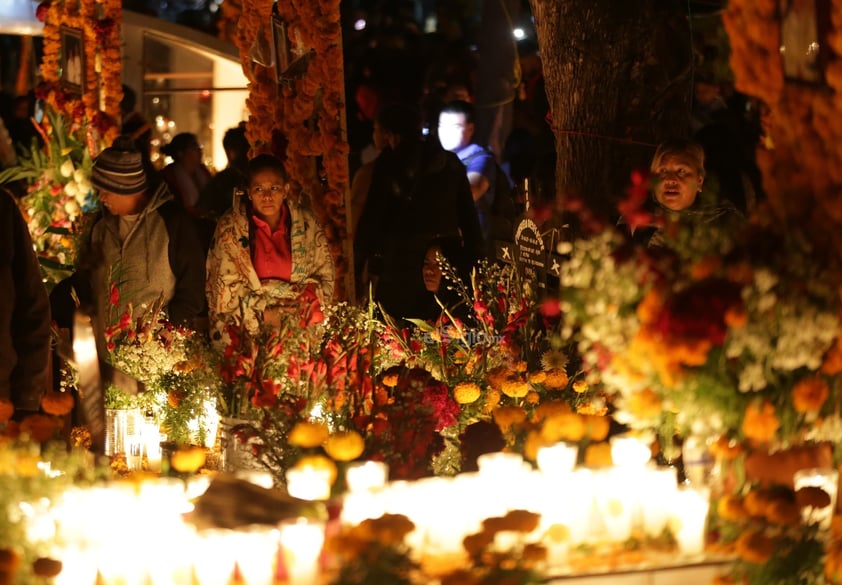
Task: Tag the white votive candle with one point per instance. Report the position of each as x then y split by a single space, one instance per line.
368 475
308 483
558 459
690 512
301 546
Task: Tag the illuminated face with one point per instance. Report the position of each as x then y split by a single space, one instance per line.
267 192
432 271
454 131
677 182
122 204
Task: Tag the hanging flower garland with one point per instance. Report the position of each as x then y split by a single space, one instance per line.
302 123
98 107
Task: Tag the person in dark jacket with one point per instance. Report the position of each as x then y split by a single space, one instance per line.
419 192
24 314
143 240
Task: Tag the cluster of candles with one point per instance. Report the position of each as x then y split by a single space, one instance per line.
595 507
136 534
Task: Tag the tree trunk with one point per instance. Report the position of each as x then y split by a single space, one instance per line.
618 81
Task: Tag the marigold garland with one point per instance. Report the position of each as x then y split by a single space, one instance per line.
302 123
98 107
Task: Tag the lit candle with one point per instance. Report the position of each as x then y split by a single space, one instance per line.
368 475
301 544
558 459
690 512
628 451
308 483
214 557
152 445
825 478
256 552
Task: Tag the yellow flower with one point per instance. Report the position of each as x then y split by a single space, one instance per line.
345 446
810 394
598 427
308 434
784 513
515 388
492 399
390 380
189 459
466 392
533 397
580 386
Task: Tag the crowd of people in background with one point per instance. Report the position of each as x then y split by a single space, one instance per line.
422 188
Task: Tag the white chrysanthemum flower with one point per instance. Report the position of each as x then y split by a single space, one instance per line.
67 168
752 378
72 209
71 188
79 175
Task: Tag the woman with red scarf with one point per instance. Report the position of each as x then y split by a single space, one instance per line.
269 258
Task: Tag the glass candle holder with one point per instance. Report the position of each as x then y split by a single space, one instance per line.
308 483
825 478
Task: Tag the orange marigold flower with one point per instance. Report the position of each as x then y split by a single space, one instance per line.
598 455
736 317
466 392
496 376
758 501
519 366
566 427
650 306
534 441
580 386
731 508
783 512
492 399
533 397
645 404
760 422
515 388
810 394
537 377
705 267
390 380
550 408
833 359
507 416
755 547
557 379
308 434
598 427
725 448
345 445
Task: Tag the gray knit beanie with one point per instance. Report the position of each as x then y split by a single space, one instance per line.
119 169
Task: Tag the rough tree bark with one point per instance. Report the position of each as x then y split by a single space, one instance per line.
618 80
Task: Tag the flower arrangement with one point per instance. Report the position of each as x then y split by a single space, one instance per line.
742 335
175 364
58 193
730 340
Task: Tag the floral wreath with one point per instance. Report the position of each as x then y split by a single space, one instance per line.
99 104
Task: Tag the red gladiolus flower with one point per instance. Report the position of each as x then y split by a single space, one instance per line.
114 297
551 308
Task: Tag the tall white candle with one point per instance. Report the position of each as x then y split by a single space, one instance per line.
301 544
